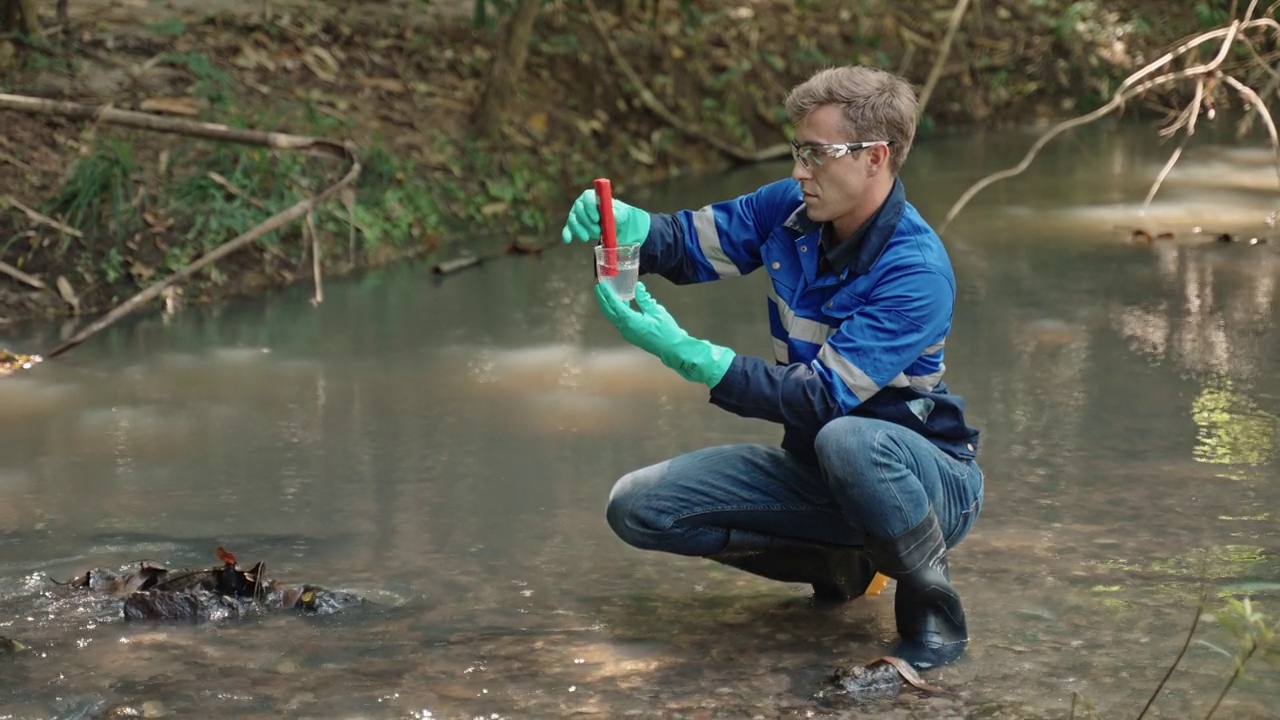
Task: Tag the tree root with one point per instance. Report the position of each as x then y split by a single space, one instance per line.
279 141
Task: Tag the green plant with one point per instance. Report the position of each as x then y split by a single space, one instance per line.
173 27
1255 635
211 83
99 192
1209 14
227 190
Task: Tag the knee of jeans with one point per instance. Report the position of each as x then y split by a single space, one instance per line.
627 512
844 437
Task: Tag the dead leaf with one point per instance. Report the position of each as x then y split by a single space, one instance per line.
537 124
69 295
252 58
157 223
496 207
640 155
391 85
322 63
909 674
225 556
142 272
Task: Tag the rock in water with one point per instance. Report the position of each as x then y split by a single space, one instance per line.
868 682
227 591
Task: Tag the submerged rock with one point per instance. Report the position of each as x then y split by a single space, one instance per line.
154 592
868 682
9 646
878 679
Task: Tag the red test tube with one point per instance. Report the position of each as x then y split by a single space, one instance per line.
608 229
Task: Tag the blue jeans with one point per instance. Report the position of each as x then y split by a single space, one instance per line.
873 478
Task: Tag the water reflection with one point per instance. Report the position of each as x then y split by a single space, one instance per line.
446 447
1233 430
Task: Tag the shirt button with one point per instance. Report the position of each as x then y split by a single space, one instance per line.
970 446
833 302
804 248
775 266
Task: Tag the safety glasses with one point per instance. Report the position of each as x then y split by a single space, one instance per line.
811 154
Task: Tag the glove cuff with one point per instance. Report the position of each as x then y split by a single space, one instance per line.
637 227
699 361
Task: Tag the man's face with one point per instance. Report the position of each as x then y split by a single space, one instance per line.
835 190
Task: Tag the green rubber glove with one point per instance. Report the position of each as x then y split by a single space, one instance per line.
584 221
656 332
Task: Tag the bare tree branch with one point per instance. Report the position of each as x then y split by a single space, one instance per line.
1132 86
957 14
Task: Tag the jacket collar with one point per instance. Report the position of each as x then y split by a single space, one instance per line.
874 235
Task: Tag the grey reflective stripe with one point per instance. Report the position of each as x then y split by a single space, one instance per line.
863 386
780 351
704 224
933 348
925 383
857 381
810 331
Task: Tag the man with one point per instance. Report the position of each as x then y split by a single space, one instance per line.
876 470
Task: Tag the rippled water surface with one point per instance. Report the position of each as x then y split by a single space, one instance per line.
444 447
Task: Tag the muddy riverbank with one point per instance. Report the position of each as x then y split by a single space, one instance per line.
98 212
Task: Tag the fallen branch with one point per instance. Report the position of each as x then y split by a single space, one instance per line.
179 126
282 141
20 276
449 267
41 218
657 108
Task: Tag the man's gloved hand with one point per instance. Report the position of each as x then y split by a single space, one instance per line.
656 332
584 221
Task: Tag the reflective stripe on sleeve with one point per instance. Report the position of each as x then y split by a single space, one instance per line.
857 381
704 224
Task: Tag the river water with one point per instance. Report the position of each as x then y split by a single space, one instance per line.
444 447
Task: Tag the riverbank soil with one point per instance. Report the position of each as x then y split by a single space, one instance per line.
91 213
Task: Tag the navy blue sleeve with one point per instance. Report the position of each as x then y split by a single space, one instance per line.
792 394
663 252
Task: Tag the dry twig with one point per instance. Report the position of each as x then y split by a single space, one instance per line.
20 276
41 218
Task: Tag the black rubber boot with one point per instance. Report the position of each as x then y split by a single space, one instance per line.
836 573
926 607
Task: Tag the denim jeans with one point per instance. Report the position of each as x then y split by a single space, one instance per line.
873 478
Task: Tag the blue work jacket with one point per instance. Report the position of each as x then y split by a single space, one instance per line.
863 339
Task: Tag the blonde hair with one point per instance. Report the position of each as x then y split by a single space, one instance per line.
877 105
